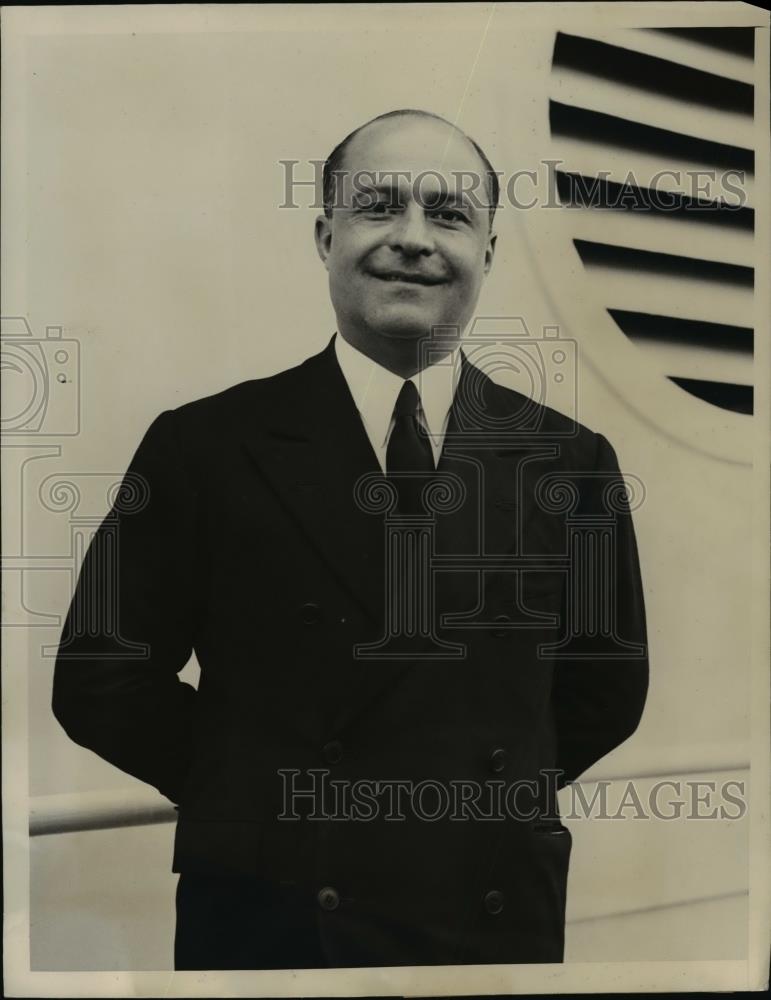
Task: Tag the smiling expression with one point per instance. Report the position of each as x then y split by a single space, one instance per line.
405 248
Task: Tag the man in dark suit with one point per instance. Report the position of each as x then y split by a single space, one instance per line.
380 558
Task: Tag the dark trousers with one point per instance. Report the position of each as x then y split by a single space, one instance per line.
226 922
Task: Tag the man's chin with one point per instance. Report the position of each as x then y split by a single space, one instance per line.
407 327
406 332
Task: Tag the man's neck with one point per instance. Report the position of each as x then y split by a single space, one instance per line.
402 357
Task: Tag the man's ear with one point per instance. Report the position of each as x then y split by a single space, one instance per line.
323 235
490 252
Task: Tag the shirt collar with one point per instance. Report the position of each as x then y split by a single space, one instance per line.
375 388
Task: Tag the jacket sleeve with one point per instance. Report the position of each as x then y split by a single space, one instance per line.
598 700
129 628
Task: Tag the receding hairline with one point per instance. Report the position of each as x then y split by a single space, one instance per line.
342 147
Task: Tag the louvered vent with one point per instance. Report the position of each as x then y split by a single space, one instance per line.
633 115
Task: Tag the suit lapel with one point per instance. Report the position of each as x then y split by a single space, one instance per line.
488 446
312 450
488 452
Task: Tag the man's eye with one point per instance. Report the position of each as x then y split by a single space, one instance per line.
449 215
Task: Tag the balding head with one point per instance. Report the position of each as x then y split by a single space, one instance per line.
336 165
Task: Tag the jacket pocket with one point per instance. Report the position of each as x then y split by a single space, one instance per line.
552 827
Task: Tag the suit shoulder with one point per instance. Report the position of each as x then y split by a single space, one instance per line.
234 402
203 429
579 443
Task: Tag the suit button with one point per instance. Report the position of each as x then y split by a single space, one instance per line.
497 760
494 901
501 633
333 752
310 613
328 898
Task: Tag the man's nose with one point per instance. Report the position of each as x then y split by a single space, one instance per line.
411 233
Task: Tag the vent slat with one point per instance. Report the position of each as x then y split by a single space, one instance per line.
682 361
682 298
625 133
627 68
649 232
684 51
587 190
670 265
581 89
738 398
669 329
738 41
665 177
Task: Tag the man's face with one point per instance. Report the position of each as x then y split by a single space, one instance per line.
406 251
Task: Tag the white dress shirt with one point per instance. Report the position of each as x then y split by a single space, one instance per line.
374 390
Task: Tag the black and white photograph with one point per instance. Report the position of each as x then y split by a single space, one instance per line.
385 441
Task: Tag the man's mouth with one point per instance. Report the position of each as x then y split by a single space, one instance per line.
409 277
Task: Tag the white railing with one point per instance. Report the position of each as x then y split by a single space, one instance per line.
102 810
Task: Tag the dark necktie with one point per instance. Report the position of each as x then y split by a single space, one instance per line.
409 451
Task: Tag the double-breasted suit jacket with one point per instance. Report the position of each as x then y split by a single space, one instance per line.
253 529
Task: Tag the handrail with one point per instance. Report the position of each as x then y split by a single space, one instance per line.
71 812
103 810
